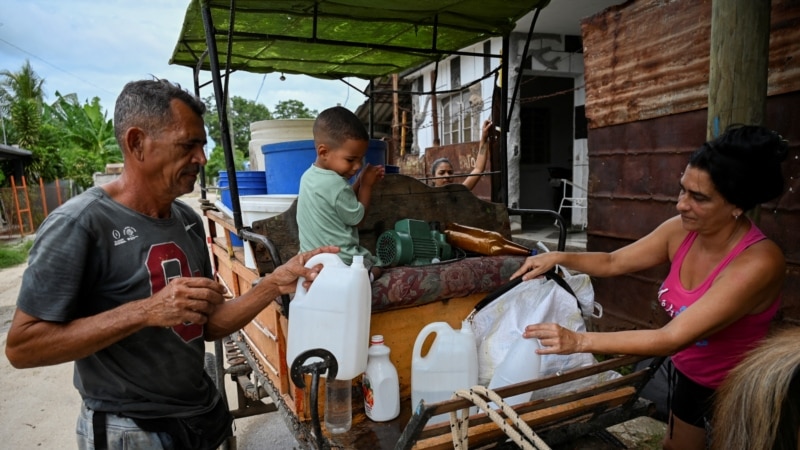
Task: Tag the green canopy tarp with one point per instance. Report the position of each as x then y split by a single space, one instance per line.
343 38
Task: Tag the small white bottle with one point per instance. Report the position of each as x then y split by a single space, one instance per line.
381 385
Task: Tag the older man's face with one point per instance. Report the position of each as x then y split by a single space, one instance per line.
176 153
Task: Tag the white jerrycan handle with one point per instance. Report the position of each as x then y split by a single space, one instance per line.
326 259
434 327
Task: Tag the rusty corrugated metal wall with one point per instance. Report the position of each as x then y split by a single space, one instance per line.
647 65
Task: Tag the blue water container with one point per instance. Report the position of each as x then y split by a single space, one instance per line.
249 183
285 162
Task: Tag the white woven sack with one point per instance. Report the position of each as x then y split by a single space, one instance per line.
501 322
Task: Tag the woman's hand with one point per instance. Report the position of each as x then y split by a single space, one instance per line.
487 128
555 339
536 265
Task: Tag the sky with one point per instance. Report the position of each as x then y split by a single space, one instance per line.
92 48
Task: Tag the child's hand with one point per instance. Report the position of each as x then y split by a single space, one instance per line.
371 174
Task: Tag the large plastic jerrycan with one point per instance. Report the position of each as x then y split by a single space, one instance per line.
451 364
333 314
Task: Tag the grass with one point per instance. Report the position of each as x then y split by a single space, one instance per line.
14 254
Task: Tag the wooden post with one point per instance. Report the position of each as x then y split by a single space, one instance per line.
44 196
58 192
395 110
737 84
16 204
434 110
18 207
403 125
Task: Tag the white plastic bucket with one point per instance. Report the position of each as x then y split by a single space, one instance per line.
260 207
265 132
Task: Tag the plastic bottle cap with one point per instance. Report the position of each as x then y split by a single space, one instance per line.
358 261
376 339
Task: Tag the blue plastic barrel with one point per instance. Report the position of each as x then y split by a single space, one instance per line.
249 183
285 162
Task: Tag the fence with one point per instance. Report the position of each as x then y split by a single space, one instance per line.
23 207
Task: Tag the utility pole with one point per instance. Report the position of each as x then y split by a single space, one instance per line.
737 82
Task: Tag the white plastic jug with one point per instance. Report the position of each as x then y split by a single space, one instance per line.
451 364
381 385
521 363
333 314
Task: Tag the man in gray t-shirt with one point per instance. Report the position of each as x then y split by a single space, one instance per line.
119 281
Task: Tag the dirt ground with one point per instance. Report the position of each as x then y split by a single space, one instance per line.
39 407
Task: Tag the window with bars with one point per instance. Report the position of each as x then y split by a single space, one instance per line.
456 116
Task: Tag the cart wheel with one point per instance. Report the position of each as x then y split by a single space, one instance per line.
210 366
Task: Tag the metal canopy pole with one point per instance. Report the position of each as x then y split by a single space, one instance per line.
196 79
503 194
522 61
219 95
371 104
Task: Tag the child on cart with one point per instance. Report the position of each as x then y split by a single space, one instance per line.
329 209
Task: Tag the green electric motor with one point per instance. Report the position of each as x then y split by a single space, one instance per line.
412 243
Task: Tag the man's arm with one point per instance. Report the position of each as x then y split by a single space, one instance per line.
236 313
33 342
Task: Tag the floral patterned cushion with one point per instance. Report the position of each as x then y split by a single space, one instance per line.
405 286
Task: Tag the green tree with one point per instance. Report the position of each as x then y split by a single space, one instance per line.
87 126
47 162
21 103
293 109
241 113
21 98
67 138
216 163
87 141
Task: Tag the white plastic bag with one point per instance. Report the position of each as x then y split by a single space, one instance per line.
498 325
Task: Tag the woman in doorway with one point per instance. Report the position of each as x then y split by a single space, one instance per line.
442 168
724 284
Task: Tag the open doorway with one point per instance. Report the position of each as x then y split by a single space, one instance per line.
547 109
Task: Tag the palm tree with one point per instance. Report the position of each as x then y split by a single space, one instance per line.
86 126
86 137
21 98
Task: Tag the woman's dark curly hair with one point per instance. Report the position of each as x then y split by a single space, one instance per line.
744 163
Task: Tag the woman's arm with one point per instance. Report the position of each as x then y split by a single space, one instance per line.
748 285
649 251
483 156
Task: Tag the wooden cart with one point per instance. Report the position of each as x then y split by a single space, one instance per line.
371 39
258 352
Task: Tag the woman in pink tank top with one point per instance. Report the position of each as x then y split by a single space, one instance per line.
724 283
